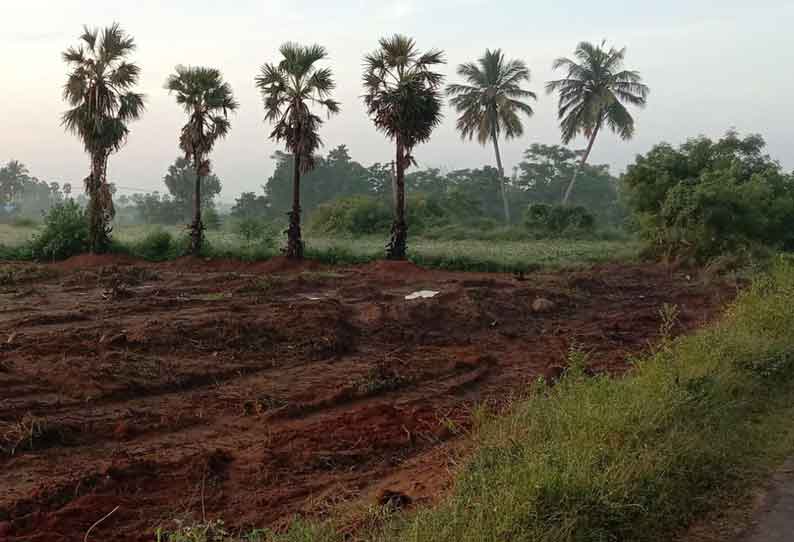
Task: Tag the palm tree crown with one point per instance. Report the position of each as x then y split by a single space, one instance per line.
402 90
594 91
489 105
289 89
207 100
99 89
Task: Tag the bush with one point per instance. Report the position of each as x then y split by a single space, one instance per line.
709 198
357 215
157 246
256 231
369 215
558 219
65 233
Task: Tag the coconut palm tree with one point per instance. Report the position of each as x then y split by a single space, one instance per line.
289 90
593 94
99 90
490 104
207 100
403 98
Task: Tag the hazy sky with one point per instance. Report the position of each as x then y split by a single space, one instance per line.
711 65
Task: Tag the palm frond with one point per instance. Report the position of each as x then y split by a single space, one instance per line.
489 104
594 91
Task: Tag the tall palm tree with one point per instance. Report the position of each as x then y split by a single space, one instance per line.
99 90
403 98
289 90
592 95
490 104
207 100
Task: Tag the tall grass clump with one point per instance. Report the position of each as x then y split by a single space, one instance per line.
638 457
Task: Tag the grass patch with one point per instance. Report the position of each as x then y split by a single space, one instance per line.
639 458
501 253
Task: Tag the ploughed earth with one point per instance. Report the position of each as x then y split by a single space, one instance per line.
255 392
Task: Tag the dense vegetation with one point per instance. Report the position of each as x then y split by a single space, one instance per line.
707 198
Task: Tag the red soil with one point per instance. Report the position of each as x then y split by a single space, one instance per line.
217 388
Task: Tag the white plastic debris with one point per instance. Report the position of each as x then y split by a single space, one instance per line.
422 294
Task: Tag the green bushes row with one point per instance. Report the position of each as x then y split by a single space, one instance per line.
369 215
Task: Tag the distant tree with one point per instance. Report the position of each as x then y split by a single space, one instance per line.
249 206
207 100
181 184
67 190
99 92
546 170
490 104
13 177
289 90
477 192
333 176
404 101
592 95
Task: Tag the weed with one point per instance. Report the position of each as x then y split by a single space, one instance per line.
380 378
28 433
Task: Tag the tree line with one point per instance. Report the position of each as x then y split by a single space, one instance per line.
403 97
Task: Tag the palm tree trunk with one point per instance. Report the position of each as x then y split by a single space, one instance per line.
501 177
579 166
294 242
396 250
197 228
97 233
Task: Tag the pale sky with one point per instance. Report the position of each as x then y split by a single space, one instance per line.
711 65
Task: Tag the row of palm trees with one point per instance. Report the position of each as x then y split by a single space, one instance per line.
403 97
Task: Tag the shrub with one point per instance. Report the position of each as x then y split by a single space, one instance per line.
257 231
558 219
356 215
157 246
65 233
368 215
709 198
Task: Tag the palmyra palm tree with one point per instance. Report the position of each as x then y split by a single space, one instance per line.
490 104
289 90
99 91
592 95
207 100
404 101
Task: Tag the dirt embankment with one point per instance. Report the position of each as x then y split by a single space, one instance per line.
254 392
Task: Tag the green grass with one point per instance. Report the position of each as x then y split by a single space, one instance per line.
465 255
636 458
14 236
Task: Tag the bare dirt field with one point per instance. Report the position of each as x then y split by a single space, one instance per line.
252 392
